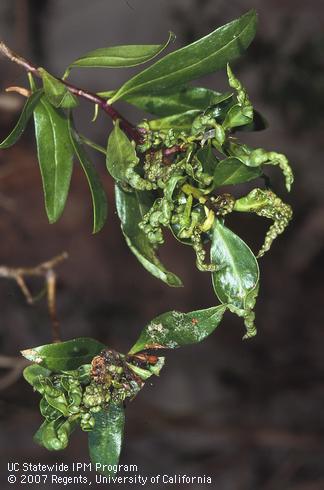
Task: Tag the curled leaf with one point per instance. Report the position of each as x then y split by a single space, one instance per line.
266 203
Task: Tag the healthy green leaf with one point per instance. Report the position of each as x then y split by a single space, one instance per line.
174 329
177 122
175 102
105 440
55 156
204 56
232 171
64 355
131 207
121 154
121 56
99 200
26 114
238 272
56 92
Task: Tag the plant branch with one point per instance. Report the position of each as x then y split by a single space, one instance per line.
46 270
15 365
125 125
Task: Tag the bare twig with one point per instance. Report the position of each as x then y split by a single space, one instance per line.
125 125
46 270
15 366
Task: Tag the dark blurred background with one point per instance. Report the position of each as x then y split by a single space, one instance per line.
249 414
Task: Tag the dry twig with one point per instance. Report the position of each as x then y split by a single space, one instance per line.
46 270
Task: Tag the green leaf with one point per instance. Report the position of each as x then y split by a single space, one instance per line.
174 329
121 56
131 207
55 156
64 355
239 270
232 171
31 373
26 114
99 200
174 102
236 282
105 440
205 56
121 154
207 159
56 92
54 435
177 122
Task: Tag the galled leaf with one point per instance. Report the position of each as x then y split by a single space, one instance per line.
174 329
121 56
131 207
55 156
64 355
31 373
105 440
99 200
26 114
204 56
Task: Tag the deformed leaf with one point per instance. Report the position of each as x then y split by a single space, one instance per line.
105 440
57 92
175 102
31 373
131 207
99 200
121 56
64 355
232 171
26 114
202 57
174 329
55 156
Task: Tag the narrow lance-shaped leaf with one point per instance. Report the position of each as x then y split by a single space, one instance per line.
56 92
131 207
204 56
105 440
121 56
177 122
175 102
99 200
237 279
64 355
55 156
26 114
174 329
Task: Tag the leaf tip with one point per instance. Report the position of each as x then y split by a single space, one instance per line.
32 355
